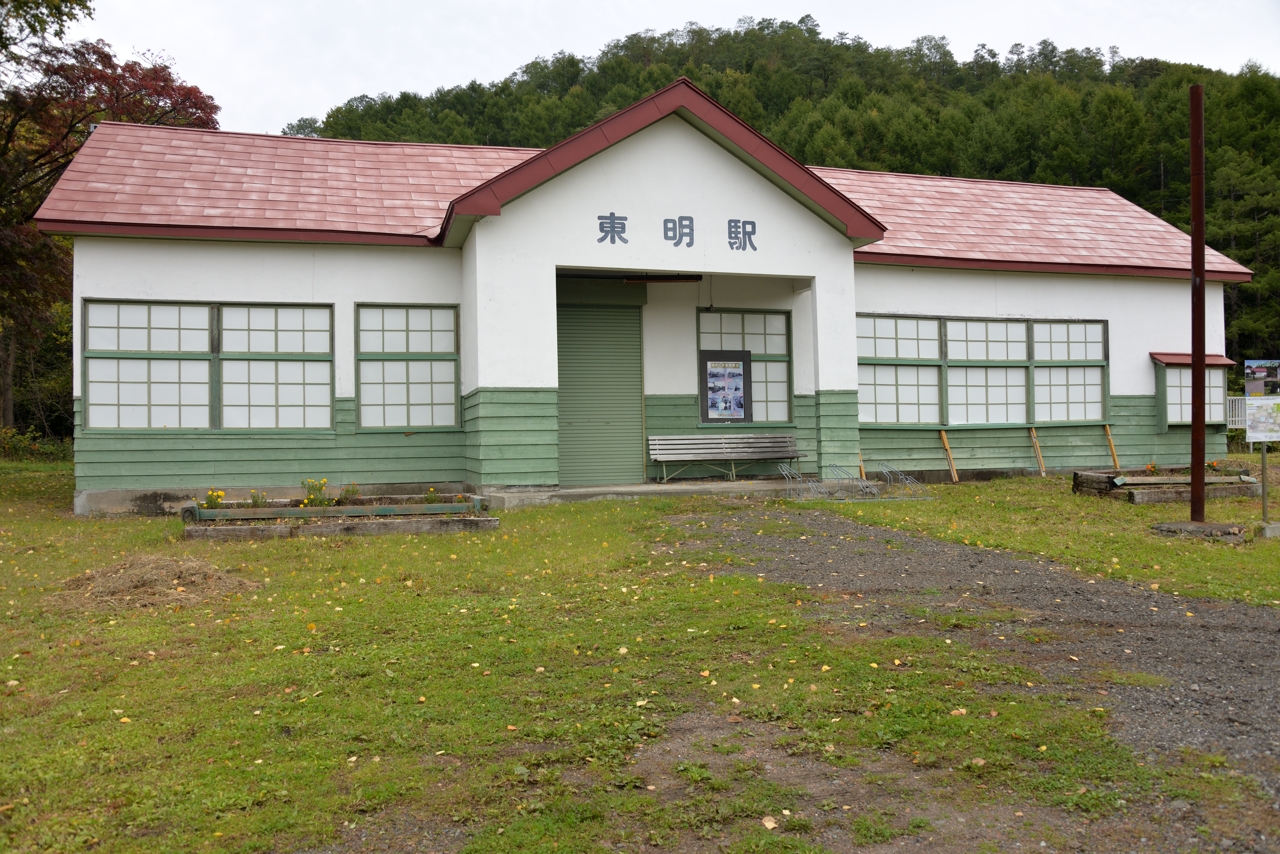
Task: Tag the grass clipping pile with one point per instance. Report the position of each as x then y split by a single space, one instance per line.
151 581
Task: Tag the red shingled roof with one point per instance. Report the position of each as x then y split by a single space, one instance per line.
142 179
161 181
994 225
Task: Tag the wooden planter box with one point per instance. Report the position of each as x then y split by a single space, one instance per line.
361 517
1138 487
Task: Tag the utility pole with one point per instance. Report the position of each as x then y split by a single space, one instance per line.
1197 303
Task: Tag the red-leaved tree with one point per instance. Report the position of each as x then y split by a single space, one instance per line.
52 97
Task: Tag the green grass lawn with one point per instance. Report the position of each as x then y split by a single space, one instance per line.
1040 516
468 674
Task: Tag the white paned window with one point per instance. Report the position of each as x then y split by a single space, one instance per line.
897 338
728 330
268 329
763 334
147 392
407 330
408 394
414 391
135 327
898 394
269 394
1068 342
1178 395
770 392
986 340
986 395
1068 393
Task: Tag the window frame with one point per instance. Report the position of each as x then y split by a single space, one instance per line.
1162 397
214 357
944 361
407 356
787 357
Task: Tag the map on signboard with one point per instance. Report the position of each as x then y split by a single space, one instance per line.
1262 419
1261 377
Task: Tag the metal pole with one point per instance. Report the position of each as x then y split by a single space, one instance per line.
1197 303
1265 520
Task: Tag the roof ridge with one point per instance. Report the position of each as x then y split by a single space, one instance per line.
1002 182
326 139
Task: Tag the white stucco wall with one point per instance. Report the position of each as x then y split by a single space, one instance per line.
670 326
1145 315
213 271
666 171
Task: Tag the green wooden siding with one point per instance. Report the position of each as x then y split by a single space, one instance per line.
511 436
837 427
194 459
601 401
677 415
1134 427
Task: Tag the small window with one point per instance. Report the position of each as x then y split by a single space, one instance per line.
1068 342
420 388
133 327
765 336
147 392
268 394
898 394
1178 395
407 330
266 329
986 340
897 338
1065 393
986 395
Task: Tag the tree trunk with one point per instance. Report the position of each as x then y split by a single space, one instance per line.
8 360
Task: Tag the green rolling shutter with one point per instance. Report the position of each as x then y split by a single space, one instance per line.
601 395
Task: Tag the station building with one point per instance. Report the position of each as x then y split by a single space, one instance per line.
252 310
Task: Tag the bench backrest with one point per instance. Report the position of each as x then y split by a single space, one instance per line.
722 446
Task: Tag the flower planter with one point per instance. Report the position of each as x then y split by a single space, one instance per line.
363 516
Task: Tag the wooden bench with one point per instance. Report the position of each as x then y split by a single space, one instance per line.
734 449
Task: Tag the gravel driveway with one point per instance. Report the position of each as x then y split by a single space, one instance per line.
1212 668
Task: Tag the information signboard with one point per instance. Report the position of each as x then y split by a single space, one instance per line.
1262 419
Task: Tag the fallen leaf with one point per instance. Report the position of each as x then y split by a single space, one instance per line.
704 673
125 721
769 822
958 712
509 726
978 762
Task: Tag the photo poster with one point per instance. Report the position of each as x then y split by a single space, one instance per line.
1262 419
726 386
1261 377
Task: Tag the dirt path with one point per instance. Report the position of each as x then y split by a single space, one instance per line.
1191 673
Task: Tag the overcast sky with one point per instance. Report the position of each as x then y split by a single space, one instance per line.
268 62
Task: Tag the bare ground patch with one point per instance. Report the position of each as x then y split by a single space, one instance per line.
150 581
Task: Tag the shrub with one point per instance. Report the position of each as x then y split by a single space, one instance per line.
32 447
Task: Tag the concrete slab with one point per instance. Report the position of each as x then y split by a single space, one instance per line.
1269 531
1226 531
